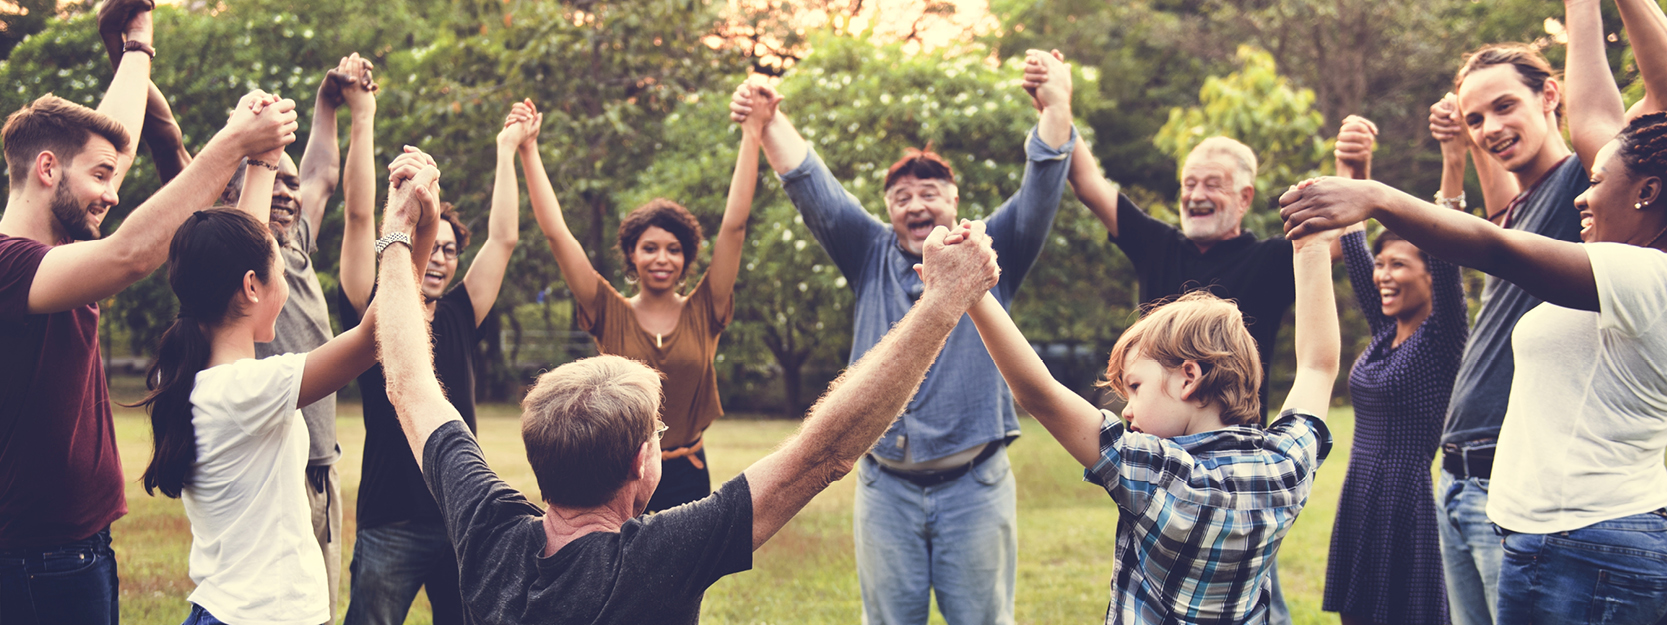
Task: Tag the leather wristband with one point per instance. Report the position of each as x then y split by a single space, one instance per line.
390 239
140 46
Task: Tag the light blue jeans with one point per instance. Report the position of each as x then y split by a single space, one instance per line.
958 539
1611 573
1470 549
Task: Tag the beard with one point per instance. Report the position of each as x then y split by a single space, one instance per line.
1209 228
72 216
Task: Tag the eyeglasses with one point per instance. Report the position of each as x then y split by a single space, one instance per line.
660 428
448 250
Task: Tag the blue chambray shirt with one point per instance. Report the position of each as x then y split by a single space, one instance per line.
963 402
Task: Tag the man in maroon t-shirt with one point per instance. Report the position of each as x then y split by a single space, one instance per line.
60 475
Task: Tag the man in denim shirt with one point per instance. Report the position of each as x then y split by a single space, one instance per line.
935 498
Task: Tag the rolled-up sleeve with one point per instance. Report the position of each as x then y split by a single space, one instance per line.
832 214
1019 228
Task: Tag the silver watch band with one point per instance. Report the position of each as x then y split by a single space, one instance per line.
390 239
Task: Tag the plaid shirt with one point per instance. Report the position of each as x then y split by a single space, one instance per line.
1202 515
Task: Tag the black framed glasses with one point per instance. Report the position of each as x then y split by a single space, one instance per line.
448 250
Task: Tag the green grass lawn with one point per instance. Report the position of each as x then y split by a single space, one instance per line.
807 573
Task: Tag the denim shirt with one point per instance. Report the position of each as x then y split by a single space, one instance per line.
963 402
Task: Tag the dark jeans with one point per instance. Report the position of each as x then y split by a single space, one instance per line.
392 561
69 584
1612 572
681 483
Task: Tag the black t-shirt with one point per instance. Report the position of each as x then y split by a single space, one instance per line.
391 486
1255 274
655 569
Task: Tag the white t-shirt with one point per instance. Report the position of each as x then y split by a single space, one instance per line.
253 554
1587 424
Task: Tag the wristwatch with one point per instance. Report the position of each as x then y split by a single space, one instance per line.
390 239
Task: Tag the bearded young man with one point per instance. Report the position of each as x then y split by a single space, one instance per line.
61 482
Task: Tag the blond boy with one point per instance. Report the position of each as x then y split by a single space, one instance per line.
1205 495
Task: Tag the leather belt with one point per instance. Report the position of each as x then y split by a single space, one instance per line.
1467 462
925 479
686 451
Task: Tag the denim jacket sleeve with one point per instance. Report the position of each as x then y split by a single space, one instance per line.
833 215
1019 227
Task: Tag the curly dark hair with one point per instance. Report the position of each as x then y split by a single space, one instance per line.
667 215
1643 145
448 213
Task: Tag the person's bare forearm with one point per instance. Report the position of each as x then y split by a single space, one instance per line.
1317 340
1596 111
849 418
784 147
1091 186
404 346
1071 420
1452 169
164 137
1499 187
1646 30
358 257
321 163
125 102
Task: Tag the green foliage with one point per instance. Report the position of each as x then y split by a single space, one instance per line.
1259 108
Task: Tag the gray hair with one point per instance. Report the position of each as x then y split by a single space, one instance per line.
583 424
1244 174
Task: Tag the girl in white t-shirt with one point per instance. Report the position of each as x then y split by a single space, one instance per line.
1579 488
229 437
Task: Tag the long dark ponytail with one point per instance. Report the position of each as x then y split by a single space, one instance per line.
210 254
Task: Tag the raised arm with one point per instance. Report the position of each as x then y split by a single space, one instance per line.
1646 30
1558 272
732 234
1072 420
1020 225
403 342
81 273
125 100
321 163
1318 341
575 266
1596 112
783 146
1499 187
358 256
503 225
863 402
335 363
1091 186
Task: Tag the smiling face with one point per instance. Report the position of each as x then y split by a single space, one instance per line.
286 199
917 205
1403 281
1213 199
85 192
659 259
1507 118
1154 397
1608 207
442 262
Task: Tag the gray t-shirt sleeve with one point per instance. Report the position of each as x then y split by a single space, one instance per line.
476 505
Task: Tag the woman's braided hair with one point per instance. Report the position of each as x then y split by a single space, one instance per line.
1643 145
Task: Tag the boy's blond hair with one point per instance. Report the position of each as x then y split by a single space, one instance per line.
1200 327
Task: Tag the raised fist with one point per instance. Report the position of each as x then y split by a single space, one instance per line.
958 264
1354 146
1446 125
120 21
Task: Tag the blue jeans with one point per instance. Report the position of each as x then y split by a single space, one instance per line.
1611 572
1470 551
959 539
200 616
1278 613
390 562
69 584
